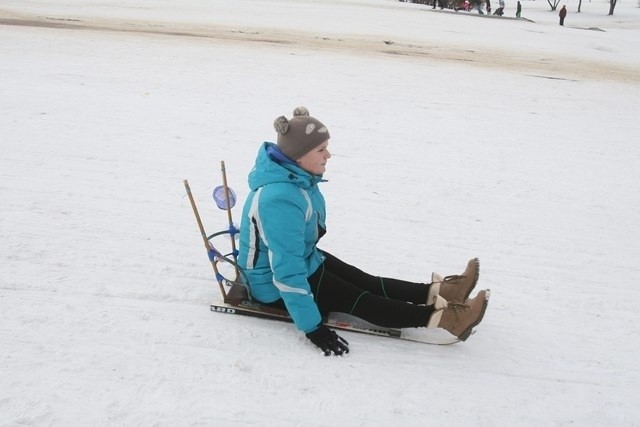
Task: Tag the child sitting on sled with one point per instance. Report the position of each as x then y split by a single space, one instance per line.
282 221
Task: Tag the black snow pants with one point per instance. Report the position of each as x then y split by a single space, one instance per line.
340 287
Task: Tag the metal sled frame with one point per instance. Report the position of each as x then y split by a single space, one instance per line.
238 293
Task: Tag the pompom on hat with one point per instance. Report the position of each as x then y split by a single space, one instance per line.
301 134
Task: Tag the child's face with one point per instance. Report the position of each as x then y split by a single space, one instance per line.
315 161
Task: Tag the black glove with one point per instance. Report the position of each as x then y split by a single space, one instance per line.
328 341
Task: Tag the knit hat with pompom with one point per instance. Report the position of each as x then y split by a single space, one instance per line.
301 134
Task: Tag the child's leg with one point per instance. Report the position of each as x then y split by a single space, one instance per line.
335 293
400 290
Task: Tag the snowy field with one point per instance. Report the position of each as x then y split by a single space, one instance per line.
453 136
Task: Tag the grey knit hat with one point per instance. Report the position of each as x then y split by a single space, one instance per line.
301 134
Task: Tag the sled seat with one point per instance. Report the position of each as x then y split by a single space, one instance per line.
238 296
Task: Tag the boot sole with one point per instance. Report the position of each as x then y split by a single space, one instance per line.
467 332
475 279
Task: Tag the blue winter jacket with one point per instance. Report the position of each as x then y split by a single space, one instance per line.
280 226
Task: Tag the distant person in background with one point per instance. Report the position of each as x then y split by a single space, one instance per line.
518 9
562 14
465 6
283 219
488 7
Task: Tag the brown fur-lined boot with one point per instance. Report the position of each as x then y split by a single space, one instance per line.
457 288
460 318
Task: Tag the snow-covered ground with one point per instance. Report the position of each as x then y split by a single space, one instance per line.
453 136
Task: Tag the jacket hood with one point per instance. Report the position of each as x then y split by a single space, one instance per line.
273 166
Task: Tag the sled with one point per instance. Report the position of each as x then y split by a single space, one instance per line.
236 295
